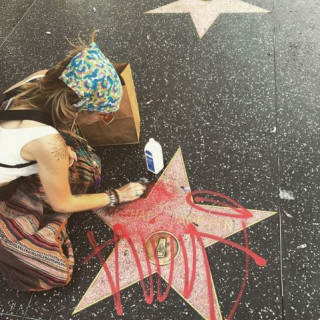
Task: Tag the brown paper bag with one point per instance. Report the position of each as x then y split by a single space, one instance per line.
125 128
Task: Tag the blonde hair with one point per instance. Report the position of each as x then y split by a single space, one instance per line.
52 95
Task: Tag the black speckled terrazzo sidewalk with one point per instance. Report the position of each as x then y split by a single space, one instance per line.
242 101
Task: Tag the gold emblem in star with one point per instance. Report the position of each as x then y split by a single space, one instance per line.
204 13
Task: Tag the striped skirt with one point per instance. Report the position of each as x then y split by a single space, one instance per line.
35 250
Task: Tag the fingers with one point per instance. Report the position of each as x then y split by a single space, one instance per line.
139 189
131 191
136 190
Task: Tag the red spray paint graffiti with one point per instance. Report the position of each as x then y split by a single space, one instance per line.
207 198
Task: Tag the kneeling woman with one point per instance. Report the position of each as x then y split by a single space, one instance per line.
46 167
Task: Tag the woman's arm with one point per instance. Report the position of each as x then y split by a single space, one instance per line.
53 162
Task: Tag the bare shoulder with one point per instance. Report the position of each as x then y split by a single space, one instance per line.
50 148
57 147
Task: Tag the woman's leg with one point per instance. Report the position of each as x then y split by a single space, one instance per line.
35 250
32 241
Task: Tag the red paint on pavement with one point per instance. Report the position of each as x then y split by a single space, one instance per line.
121 232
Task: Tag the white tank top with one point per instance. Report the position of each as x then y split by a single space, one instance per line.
11 143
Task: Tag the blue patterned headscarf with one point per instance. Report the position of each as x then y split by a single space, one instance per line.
93 78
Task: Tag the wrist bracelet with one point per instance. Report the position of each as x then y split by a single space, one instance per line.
112 196
116 194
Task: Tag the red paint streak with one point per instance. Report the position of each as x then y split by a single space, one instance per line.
124 234
148 298
242 213
99 248
257 259
246 274
118 228
188 286
121 231
116 257
116 294
163 194
161 297
152 221
195 232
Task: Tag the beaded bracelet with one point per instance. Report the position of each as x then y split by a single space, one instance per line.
114 197
116 194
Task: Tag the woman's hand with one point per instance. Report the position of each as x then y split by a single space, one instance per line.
72 156
131 191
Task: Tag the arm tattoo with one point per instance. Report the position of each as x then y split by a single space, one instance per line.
58 148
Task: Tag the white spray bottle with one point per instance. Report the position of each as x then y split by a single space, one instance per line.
154 157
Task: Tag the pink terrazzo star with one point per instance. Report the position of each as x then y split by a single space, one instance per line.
166 209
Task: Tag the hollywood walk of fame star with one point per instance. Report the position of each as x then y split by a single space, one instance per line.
204 13
165 208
